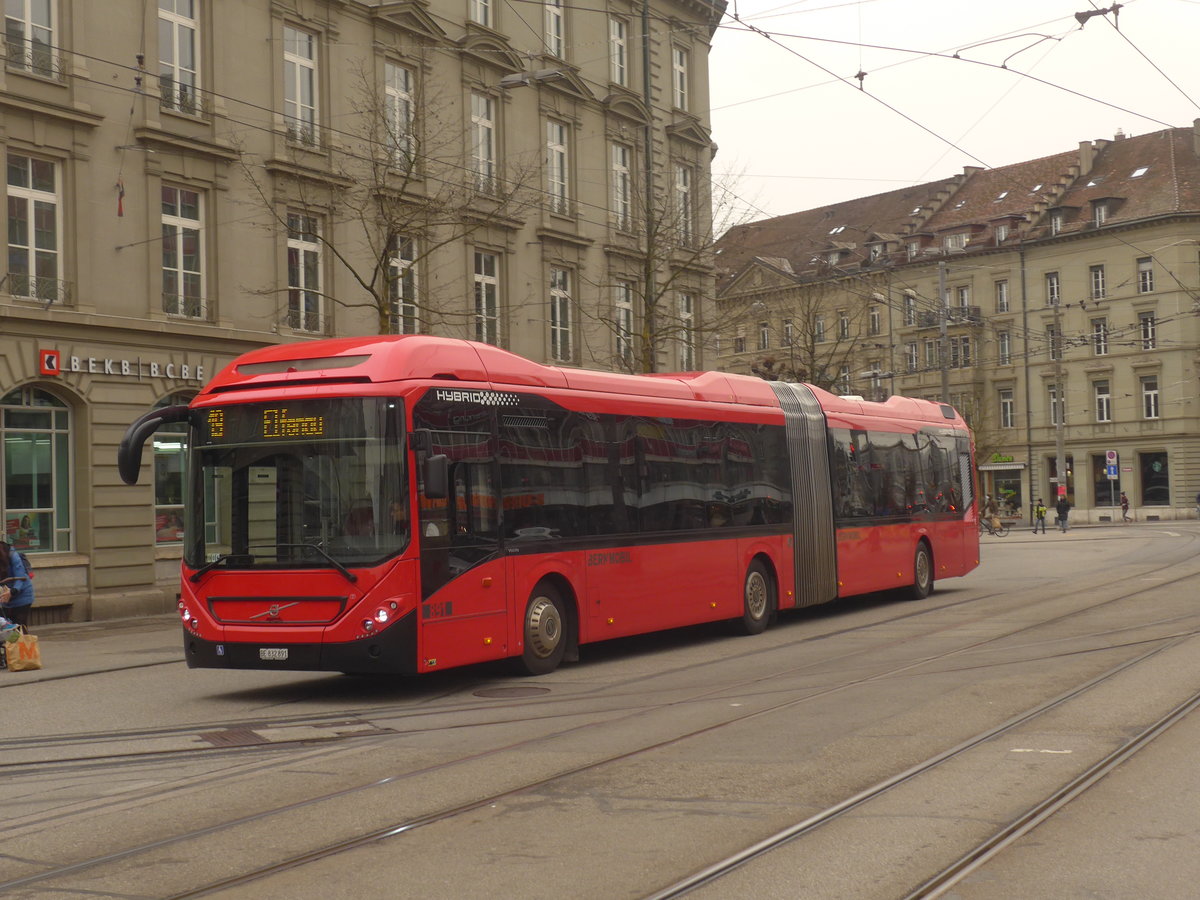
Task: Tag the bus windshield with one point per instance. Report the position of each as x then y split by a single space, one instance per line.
305 483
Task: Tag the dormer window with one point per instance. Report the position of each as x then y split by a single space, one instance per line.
833 257
874 252
1056 222
954 242
914 247
1001 234
1099 212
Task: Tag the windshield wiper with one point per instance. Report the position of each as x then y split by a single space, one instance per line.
350 576
209 566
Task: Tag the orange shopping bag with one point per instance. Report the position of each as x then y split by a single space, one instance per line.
24 655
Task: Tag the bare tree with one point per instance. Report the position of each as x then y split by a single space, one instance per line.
396 191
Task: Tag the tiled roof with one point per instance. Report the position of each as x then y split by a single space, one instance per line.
1138 177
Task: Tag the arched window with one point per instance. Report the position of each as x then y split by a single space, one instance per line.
35 456
170 475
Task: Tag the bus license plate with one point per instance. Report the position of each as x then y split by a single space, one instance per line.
272 653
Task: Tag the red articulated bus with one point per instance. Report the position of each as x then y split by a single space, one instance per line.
405 504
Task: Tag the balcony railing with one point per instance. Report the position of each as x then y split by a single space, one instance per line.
34 57
38 287
182 98
184 307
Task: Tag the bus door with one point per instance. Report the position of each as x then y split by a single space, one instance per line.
463 615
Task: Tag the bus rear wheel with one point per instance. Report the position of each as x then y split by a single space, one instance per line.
545 631
758 599
922 585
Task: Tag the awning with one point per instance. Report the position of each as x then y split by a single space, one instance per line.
999 467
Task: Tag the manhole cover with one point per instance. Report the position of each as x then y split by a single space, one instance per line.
511 692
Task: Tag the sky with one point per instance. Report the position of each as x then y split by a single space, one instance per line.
795 131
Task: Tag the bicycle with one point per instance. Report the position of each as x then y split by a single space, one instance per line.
986 527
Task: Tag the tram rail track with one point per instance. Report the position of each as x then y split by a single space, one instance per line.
409 825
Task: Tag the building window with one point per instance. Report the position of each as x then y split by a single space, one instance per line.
403 311
874 252
1001 296
960 352
182 253
622 209
1145 275
954 242
35 459
1099 212
962 295
618 51
1056 222
789 332
1004 348
304 273
623 322
875 320
819 329
1096 275
398 114
1053 289
483 141
1103 395
739 344
557 167
843 380
764 336
1055 412
1001 234
683 204
910 309
1149 385
912 249
560 315
34 263
912 359
29 35
1156 478
679 77
687 332
480 11
1148 330
1100 337
487 301
933 353
555 28
1054 342
300 84
178 68
843 325
1007 409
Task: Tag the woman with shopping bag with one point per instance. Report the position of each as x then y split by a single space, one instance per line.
16 586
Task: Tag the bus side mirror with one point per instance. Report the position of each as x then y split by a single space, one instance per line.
436 475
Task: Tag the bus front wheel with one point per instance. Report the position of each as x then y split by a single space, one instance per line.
758 599
922 585
545 631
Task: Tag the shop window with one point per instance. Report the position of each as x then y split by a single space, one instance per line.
1156 481
35 457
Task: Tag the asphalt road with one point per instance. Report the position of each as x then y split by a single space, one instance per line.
124 774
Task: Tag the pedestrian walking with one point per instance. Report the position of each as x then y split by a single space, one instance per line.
1063 508
1039 516
1125 507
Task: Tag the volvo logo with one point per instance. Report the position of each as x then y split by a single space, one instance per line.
273 611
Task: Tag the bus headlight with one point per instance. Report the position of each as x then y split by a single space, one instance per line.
382 615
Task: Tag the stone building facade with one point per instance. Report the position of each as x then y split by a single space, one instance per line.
1056 302
189 179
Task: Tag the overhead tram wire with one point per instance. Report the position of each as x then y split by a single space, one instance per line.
1140 53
